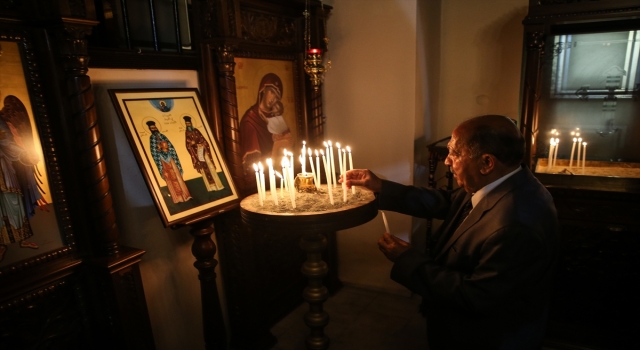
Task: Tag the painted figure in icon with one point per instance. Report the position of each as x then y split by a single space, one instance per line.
20 194
263 130
201 157
162 105
166 159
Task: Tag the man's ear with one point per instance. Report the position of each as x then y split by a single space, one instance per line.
488 163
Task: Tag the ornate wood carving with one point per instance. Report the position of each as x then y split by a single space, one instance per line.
73 54
229 114
203 248
264 28
50 317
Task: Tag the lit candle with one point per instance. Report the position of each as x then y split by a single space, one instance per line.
555 151
313 169
343 169
326 172
573 148
264 197
332 164
318 172
579 149
255 167
339 157
272 182
304 152
386 224
353 188
292 186
284 173
281 184
552 143
584 156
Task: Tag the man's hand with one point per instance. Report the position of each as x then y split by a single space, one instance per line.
362 177
392 247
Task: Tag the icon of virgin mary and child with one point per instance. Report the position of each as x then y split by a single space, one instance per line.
263 130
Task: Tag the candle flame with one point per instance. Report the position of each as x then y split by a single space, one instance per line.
348 149
579 139
325 144
278 175
329 142
255 167
269 162
317 153
584 143
322 152
338 144
575 139
304 143
260 166
310 152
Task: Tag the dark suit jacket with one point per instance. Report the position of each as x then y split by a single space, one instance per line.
485 285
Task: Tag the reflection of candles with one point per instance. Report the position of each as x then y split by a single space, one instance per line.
573 148
555 152
579 149
584 156
326 172
386 224
255 167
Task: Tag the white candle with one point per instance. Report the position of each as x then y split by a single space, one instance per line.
318 176
550 158
353 188
332 164
339 157
386 224
272 182
573 148
255 167
343 169
579 149
284 173
555 151
264 196
281 184
304 152
326 172
584 156
313 169
292 187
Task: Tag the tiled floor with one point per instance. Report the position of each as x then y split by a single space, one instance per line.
360 320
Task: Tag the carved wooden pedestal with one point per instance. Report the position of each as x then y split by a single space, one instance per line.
311 226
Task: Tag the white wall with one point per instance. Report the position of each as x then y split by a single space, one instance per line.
170 280
404 74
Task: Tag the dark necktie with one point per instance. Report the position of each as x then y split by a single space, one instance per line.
466 208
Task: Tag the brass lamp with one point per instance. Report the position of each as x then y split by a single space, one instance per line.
313 61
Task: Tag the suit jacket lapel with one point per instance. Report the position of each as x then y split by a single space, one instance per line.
485 205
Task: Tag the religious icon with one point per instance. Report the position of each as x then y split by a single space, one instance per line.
168 163
201 158
264 132
20 193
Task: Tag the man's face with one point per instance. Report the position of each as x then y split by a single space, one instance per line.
153 128
465 168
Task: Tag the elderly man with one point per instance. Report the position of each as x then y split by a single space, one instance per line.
485 278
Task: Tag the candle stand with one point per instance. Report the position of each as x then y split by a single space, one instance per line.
311 227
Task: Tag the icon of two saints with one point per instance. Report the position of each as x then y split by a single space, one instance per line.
166 158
